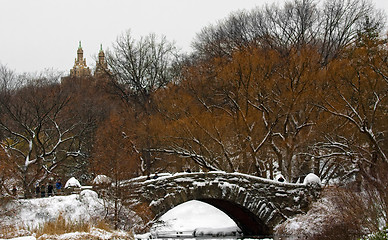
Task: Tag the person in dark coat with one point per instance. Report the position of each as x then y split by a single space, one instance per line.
37 190
50 189
43 191
58 186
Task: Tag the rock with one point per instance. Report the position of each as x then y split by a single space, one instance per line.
72 182
312 179
102 179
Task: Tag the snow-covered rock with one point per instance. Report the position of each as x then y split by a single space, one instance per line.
312 179
88 196
72 182
102 179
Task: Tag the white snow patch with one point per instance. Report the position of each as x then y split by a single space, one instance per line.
200 184
143 236
192 215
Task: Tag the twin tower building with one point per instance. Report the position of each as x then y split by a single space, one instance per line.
81 70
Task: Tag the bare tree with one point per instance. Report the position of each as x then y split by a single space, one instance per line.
7 78
330 27
340 22
139 68
38 133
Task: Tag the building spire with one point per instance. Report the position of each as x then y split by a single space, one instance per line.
80 68
101 65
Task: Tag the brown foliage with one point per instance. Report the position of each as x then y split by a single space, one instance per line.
144 212
5 169
241 113
61 226
113 154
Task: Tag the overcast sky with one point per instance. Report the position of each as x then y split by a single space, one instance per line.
39 34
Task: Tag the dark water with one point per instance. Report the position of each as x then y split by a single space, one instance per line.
189 235
229 238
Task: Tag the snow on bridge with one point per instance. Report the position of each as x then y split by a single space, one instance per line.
256 204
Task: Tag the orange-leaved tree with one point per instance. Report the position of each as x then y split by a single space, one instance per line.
114 156
357 97
249 113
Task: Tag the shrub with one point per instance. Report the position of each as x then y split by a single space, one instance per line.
380 235
62 226
354 214
342 213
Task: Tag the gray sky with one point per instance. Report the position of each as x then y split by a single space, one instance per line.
39 34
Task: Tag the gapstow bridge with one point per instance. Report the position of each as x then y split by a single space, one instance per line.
256 204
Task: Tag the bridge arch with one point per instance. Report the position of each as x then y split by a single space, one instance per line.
248 222
257 205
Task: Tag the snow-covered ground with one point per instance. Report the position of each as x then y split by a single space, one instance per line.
86 206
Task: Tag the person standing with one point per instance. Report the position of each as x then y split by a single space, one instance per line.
58 186
43 191
50 189
37 190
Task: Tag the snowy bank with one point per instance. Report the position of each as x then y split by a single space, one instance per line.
32 213
94 233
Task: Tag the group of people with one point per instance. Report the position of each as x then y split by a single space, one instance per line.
41 190
154 177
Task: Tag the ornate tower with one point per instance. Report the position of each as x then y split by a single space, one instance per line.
101 65
80 68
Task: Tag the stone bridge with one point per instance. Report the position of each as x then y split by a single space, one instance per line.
256 204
